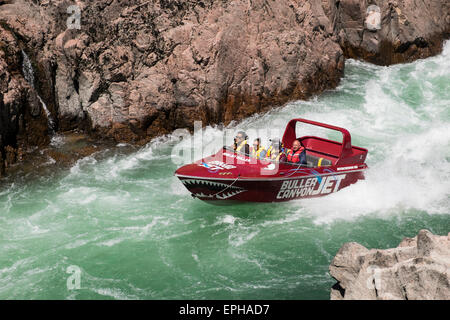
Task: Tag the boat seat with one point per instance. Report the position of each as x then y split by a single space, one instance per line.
313 161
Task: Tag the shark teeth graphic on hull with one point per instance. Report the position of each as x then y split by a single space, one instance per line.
199 183
226 195
214 189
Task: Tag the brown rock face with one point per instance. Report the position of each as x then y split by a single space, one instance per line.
388 32
21 121
418 269
138 69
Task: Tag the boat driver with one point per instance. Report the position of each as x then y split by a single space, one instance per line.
297 154
240 143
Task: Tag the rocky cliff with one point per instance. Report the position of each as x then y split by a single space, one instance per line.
418 269
132 70
22 122
388 32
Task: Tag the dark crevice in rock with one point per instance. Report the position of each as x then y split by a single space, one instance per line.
404 293
419 42
76 82
374 284
53 68
338 288
102 88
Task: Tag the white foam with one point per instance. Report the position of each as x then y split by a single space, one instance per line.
229 219
176 189
110 243
114 293
57 140
82 163
76 244
241 237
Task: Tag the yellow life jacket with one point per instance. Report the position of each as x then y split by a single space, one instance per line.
319 163
243 143
269 151
256 154
277 158
271 156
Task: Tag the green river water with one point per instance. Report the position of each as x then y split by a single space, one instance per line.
132 231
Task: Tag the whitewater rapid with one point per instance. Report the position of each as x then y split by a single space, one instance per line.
400 114
134 231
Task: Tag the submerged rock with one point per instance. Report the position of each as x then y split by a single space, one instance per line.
418 269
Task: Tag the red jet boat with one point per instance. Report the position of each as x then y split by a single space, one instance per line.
230 176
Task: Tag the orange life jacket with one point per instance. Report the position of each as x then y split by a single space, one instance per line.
294 157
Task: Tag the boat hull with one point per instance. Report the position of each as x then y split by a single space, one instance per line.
309 184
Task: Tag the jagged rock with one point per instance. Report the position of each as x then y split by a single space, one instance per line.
157 66
403 31
21 119
418 269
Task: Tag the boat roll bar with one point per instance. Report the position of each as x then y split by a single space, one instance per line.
290 135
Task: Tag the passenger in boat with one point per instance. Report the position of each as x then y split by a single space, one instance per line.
258 151
275 151
297 154
240 143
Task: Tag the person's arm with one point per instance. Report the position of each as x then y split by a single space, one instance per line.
247 149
